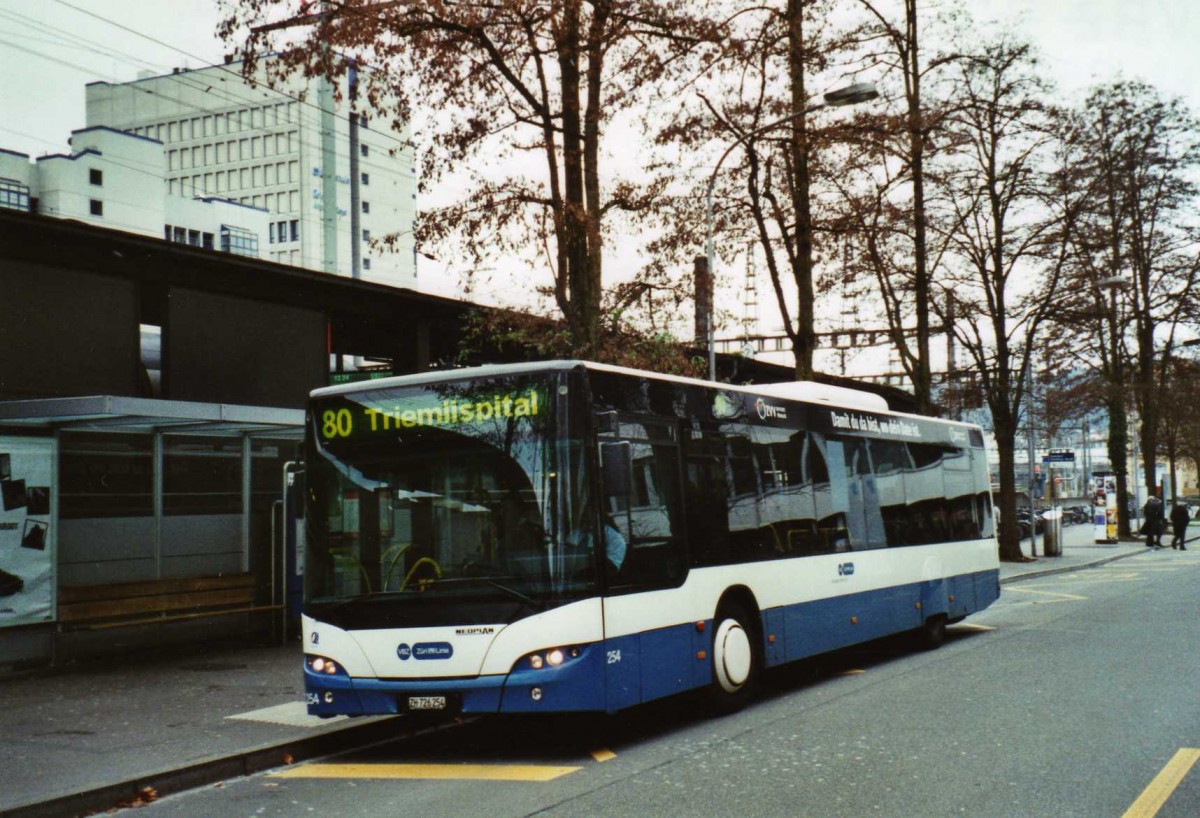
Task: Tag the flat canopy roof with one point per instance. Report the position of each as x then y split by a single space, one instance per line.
110 413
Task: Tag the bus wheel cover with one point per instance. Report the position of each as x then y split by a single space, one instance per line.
733 656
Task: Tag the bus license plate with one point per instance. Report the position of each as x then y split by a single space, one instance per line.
426 702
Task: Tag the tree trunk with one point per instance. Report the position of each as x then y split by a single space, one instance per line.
922 376
584 312
805 340
1010 535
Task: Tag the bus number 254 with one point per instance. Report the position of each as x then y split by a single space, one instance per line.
614 656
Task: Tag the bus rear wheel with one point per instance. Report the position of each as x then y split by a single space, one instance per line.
736 658
932 634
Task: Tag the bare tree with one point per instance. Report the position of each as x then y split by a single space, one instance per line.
884 206
1136 154
760 108
1002 225
508 80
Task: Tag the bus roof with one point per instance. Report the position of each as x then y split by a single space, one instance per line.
800 391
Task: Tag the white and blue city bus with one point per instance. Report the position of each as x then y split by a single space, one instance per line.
569 536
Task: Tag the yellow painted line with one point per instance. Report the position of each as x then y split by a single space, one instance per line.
972 626
854 672
603 755
461 772
1156 794
1060 597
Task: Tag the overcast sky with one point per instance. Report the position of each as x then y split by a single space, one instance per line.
51 48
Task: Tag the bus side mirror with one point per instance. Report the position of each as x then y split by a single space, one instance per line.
616 464
606 423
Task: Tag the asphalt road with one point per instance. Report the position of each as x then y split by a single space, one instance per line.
1075 695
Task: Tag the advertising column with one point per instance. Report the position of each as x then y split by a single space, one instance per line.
27 553
1104 507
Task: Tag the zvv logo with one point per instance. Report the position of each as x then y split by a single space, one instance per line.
766 411
845 569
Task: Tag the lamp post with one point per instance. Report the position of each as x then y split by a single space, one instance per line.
849 95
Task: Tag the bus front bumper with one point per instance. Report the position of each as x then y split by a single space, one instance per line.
577 685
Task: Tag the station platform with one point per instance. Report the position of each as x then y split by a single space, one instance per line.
96 737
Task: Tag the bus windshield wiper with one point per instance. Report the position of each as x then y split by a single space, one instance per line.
492 582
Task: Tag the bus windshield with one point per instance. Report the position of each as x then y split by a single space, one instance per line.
448 502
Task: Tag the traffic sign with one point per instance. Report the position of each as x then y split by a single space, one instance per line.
1060 456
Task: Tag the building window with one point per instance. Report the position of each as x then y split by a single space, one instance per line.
14 195
95 176
366 207
194 238
366 178
239 241
362 150
295 230
206 241
96 207
366 264
167 232
271 233
179 234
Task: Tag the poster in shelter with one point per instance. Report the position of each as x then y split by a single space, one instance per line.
27 553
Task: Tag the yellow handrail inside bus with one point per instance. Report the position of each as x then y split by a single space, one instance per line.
437 568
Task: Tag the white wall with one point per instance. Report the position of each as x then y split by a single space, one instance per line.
263 147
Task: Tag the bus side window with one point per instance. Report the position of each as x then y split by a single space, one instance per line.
707 498
863 517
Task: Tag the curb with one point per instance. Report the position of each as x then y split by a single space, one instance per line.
1066 569
169 782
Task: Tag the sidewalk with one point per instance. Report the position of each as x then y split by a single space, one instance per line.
91 738
1079 550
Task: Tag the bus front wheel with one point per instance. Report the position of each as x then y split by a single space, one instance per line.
736 657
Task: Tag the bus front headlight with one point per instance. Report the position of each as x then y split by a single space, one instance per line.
323 666
550 658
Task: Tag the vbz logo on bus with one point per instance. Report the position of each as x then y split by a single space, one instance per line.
845 569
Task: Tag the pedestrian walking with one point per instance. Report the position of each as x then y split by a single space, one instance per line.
1179 521
1155 522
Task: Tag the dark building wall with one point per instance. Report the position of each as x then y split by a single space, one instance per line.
54 321
226 349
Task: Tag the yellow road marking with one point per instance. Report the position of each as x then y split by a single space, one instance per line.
465 772
1061 597
973 626
1156 794
854 672
603 755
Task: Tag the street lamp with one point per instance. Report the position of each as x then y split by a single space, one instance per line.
849 95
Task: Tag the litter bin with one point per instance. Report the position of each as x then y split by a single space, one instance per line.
1053 531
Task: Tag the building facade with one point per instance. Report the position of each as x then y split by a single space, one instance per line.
114 179
334 183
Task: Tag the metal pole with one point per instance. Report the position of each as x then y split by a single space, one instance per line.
1137 492
712 285
1032 481
283 572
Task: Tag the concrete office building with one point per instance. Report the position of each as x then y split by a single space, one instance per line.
115 179
332 182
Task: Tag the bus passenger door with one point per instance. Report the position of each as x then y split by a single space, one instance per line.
647 650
